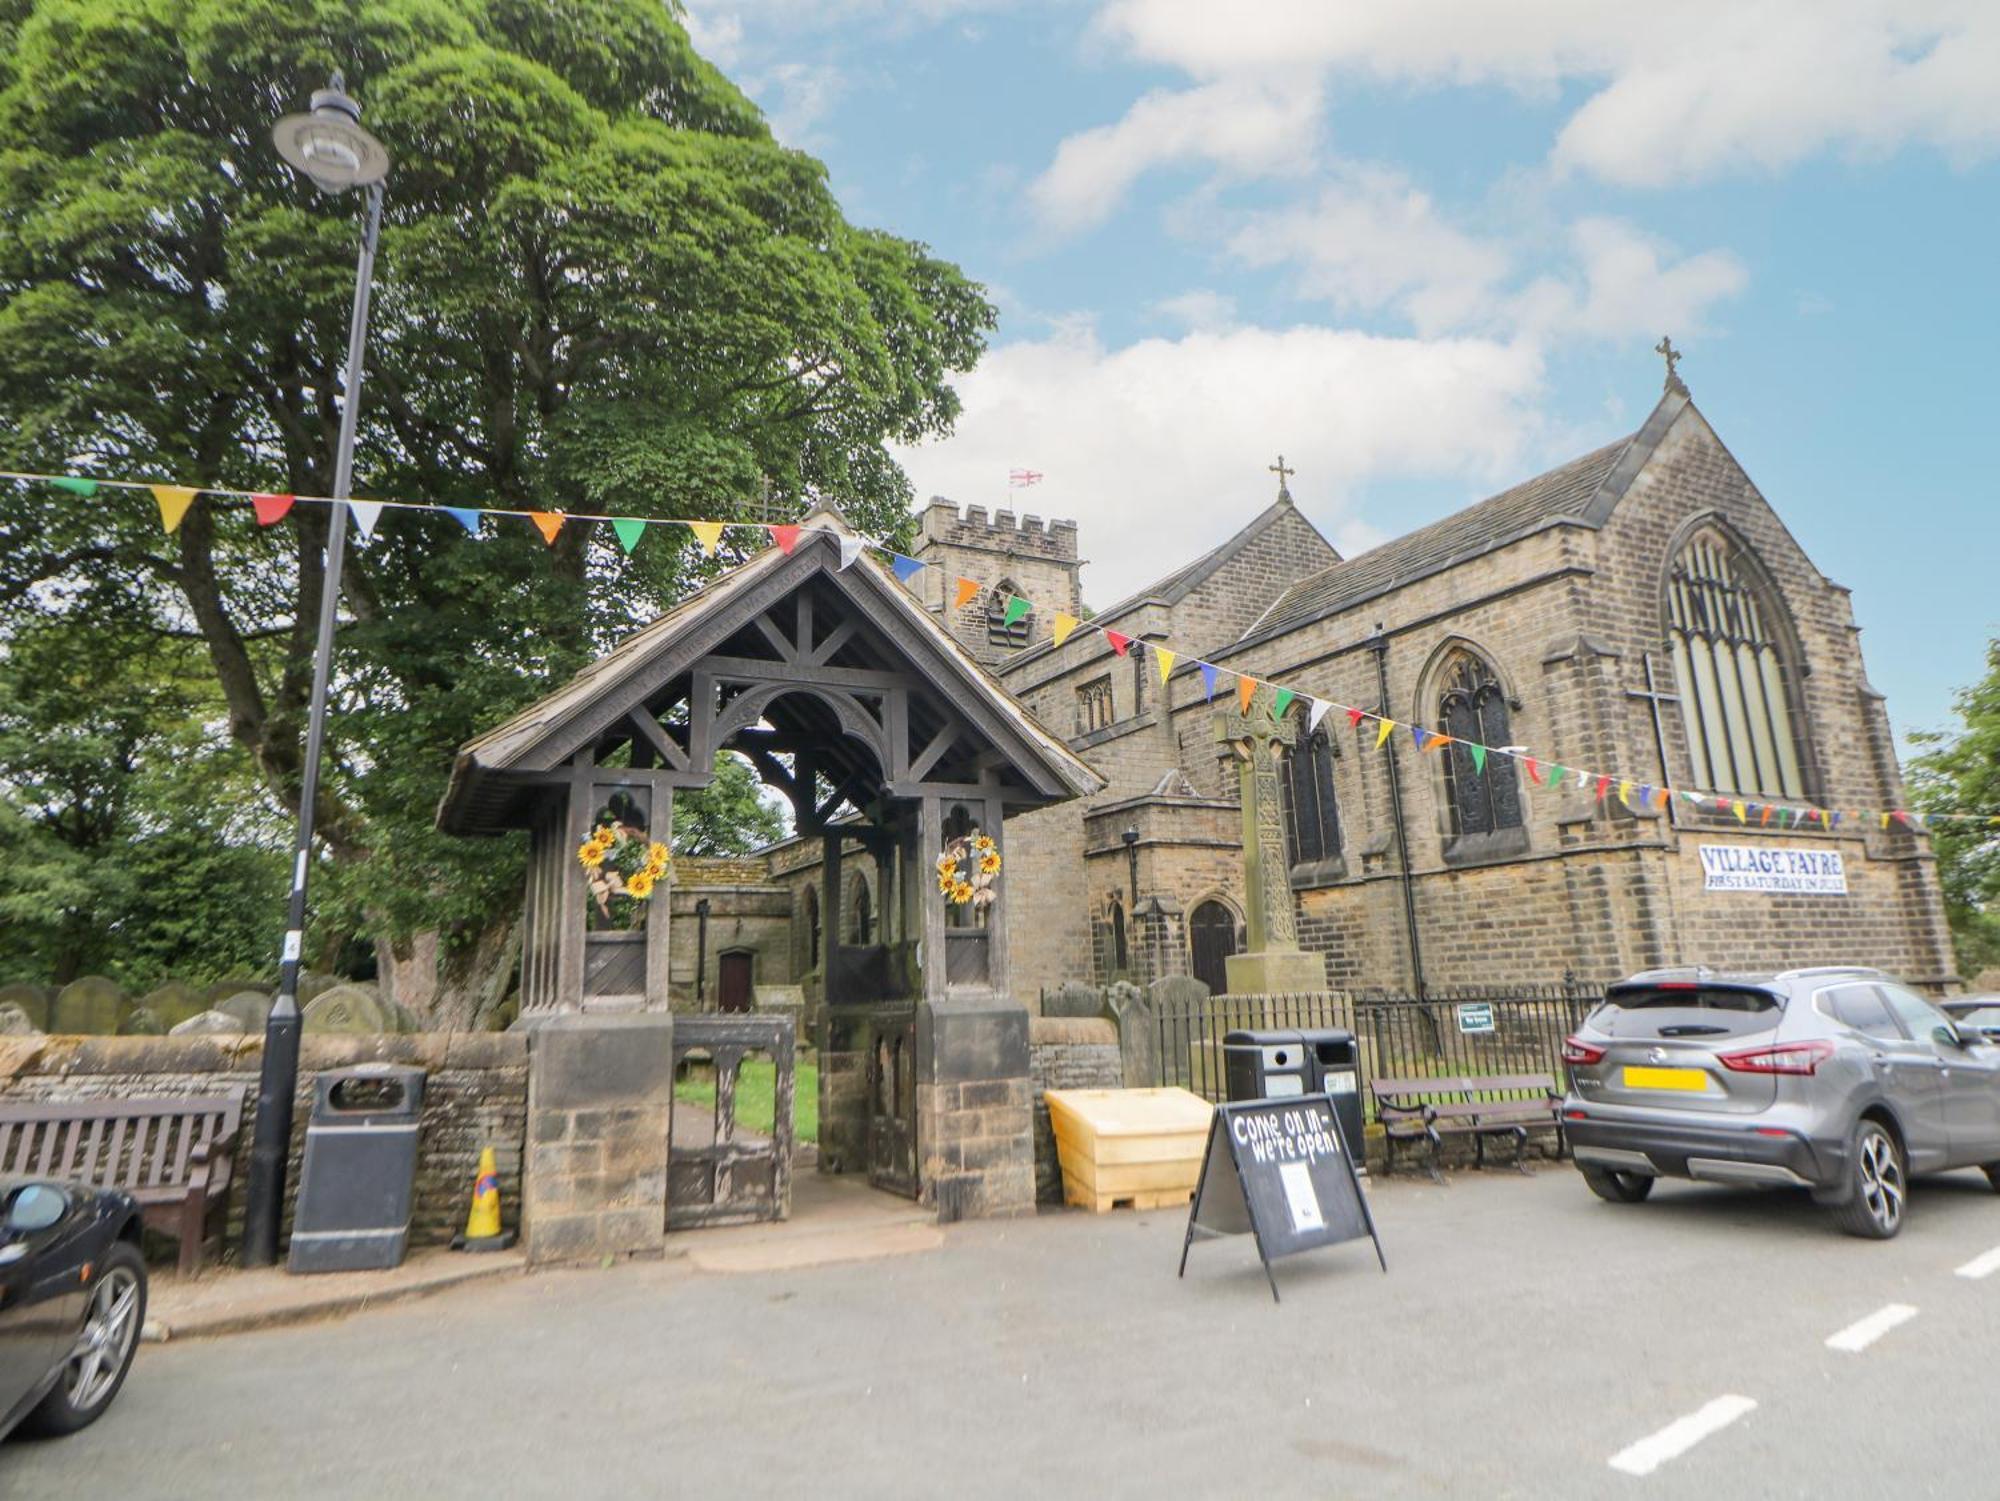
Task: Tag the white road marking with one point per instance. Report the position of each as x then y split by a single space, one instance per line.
1984 1265
1680 1436
1862 1333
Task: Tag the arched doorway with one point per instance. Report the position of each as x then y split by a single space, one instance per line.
1212 935
733 980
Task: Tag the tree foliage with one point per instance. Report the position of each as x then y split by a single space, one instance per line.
602 287
1962 774
728 816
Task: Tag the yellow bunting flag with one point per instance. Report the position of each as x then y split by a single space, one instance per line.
1625 793
174 502
966 589
548 523
1382 733
1064 624
708 534
1742 812
1166 660
1246 690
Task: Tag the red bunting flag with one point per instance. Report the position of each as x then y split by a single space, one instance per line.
966 589
1354 718
787 538
1120 642
1534 769
271 509
1603 786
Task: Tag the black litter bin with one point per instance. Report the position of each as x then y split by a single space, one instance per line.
1315 1060
355 1189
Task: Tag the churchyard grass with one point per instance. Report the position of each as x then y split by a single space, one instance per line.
756 1095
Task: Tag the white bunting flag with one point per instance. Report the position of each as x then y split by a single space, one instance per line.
365 513
850 549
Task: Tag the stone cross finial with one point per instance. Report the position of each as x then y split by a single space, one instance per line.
1666 351
1255 742
1283 473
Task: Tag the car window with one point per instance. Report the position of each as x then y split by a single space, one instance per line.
1983 1016
1919 1017
1692 1011
1863 1009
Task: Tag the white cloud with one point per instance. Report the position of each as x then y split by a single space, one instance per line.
1159 449
1247 127
1673 93
1199 311
796 97
1625 286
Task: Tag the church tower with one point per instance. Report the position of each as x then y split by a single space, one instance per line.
1026 557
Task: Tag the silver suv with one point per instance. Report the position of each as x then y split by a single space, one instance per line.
1837 1080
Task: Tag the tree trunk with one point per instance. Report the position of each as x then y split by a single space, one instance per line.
450 988
406 973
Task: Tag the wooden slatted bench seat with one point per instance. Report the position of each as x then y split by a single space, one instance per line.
1429 1109
175 1156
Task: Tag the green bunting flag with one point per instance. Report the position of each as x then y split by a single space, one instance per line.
84 487
630 529
1556 775
1017 607
1478 756
1282 702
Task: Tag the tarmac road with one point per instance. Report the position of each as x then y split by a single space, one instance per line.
1525 1337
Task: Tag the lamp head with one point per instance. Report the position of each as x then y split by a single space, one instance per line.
328 143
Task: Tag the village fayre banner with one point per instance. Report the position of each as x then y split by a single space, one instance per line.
175 499
1747 867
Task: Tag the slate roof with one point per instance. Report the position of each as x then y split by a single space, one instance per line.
1581 492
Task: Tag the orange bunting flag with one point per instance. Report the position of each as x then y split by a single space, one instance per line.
1769 809
1165 658
174 502
1246 690
967 588
548 523
1660 795
1063 625
1436 741
708 534
1384 728
270 509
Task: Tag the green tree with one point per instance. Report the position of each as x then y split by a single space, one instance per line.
1963 775
602 287
728 816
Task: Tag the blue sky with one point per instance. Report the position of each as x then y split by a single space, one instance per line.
1425 250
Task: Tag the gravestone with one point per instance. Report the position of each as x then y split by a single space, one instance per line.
173 1003
34 1001
1072 998
1138 1033
207 1023
142 1021
251 1007
235 985
1274 963
15 1021
90 1007
355 1009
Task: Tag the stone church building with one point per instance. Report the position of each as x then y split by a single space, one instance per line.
1641 611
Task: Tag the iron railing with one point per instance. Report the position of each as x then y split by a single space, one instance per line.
1470 1030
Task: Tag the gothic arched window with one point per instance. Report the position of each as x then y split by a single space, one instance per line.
998 631
1312 816
1472 709
1727 630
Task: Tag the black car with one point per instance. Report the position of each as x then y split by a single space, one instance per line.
72 1299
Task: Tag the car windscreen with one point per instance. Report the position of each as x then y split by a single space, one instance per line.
1978 1016
1697 1012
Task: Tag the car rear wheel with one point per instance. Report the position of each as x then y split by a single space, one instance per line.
1618 1188
1874 1210
102 1352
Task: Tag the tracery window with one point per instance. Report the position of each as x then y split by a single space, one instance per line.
1093 705
998 631
1726 630
1312 815
1472 708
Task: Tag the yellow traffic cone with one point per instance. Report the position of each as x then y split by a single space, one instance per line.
482 1225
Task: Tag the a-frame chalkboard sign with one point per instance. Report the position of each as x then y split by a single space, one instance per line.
1276 1168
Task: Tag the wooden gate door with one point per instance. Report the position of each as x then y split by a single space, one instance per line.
732 990
1212 934
892 1100
720 1172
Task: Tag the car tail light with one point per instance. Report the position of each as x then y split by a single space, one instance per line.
1576 1050
1786 1058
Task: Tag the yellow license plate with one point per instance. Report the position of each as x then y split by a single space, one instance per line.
1688 1080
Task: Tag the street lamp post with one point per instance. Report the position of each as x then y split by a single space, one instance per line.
329 146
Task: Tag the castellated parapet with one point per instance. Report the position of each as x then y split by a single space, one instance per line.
1033 558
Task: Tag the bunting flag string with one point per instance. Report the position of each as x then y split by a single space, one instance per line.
175 501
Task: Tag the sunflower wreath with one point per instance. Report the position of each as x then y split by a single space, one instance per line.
967 869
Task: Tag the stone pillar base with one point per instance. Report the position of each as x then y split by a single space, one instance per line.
600 1101
1275 972
975 1108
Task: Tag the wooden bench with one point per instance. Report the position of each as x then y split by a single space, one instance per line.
1430 1109
175 1156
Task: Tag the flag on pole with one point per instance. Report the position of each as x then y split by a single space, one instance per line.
1020 479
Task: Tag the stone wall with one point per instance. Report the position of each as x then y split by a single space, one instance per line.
1067 1053
475 1096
